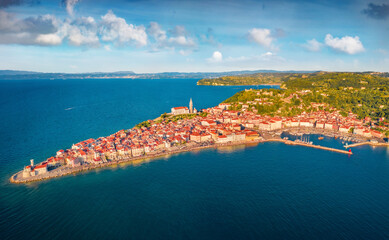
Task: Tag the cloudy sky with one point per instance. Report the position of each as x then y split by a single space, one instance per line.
200 35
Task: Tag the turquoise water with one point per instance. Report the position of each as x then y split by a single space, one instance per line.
255 192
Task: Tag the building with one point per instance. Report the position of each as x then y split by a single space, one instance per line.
320 124
27 171
184 110
75 161
40 169
196 137
224 106
179 110
252 136
32 170
222 139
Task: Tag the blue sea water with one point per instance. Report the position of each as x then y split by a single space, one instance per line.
266 191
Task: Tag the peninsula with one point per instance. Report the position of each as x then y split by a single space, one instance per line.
185 129
352 106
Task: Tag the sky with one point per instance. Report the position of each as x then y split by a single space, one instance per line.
146 36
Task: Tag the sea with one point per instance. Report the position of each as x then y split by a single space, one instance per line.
263 191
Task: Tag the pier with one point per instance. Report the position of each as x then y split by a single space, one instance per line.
289 142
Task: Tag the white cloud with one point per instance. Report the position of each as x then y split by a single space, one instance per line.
48 39
80 36
267 54
347 44
182 41
82 31
70 6
313 45
179 37
176 38
25 31
261 36
155 30
114 28
40 24
216 57
88 32
265 58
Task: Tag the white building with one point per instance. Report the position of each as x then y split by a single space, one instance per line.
179 110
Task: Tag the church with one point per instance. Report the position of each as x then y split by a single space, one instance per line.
184 110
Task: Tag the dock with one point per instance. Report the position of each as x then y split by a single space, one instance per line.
289 142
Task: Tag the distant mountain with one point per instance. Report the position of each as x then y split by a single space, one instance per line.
26 75
14 72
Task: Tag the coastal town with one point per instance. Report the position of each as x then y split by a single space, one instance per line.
186 129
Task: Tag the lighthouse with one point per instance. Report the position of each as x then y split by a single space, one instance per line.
190 106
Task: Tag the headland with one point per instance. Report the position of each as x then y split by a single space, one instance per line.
353 107
186 129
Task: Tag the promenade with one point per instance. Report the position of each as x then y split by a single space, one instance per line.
64 170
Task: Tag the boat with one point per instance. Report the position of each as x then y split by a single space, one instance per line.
320 138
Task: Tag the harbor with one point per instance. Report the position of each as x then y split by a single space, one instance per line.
305 144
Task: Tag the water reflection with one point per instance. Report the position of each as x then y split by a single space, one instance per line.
230 149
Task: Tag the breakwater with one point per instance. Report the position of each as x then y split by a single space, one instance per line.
289 142
368 143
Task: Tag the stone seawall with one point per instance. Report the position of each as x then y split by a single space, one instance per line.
16 178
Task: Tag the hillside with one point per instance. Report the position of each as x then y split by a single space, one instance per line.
293 79
249 79
364 94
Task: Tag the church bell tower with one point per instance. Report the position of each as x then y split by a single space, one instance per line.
190 106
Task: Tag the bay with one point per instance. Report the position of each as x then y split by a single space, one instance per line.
267 191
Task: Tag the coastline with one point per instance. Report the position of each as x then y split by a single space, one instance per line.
116 162
83 168
262 84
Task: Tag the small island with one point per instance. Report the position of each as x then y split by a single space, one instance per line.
353 107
